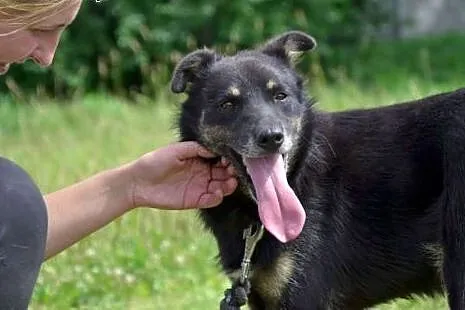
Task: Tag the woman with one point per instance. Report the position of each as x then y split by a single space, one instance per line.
35 227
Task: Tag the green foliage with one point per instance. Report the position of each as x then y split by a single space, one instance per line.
434 59
125 46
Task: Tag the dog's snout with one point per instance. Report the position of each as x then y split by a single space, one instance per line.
271 139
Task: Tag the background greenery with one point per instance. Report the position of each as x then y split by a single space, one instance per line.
127 46
106 101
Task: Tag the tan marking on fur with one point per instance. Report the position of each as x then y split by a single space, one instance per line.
202 119
236 274
270 282
435 253
234 91
271 84
297 123
215 133
294 55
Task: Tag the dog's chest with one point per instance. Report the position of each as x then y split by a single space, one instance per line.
269 282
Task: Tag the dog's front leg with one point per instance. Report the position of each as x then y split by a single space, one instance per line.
453 224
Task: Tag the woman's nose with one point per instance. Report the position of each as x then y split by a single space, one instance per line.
45 51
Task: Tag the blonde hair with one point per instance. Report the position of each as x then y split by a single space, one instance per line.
23 13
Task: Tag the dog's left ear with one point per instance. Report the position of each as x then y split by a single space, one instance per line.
191 68
289 46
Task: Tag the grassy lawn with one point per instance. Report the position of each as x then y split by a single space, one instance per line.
148 259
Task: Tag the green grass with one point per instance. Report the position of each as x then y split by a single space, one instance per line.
429 59
152 259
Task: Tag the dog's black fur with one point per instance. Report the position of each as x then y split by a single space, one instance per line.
383 188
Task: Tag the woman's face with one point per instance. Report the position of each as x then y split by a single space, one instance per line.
38 41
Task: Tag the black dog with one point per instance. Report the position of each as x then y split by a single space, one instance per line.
380 212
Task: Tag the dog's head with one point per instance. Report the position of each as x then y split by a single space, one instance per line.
247 107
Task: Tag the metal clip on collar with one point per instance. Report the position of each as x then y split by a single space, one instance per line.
251 239
236 296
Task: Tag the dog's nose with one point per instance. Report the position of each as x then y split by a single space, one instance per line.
271 140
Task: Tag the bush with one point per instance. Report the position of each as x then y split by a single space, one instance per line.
132 46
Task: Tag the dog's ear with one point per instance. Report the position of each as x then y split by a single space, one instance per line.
190 68
289 46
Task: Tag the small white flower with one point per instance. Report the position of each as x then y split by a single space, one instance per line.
118 271
90 252
129 278
180 259
165 244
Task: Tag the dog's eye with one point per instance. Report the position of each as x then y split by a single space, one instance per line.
226 105
280 96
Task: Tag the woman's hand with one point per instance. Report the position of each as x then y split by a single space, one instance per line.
172 177
177 176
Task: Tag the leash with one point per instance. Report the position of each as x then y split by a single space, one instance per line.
236 296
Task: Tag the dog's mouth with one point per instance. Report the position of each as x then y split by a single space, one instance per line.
279 208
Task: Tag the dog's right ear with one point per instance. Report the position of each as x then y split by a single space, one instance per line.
191 67
289 46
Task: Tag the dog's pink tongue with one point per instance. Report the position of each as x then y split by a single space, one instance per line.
279 208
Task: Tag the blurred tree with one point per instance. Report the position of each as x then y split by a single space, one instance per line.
123 46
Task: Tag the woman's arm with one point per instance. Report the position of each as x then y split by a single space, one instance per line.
172 177
81 209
